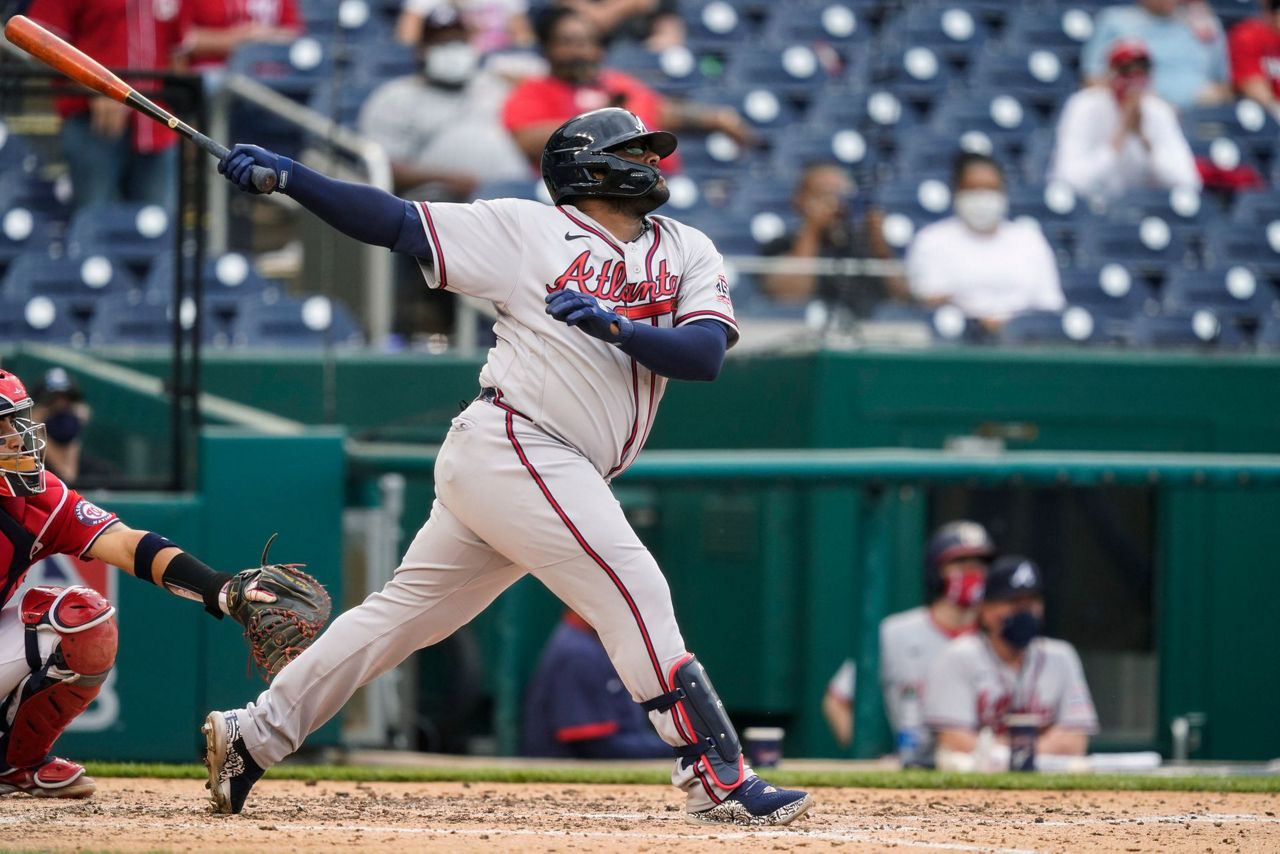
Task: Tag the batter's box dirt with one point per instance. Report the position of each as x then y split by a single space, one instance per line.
149 815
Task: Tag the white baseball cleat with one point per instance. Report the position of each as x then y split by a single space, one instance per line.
232 771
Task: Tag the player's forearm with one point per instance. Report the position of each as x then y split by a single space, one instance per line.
693 352
359 211
1058 741
153 558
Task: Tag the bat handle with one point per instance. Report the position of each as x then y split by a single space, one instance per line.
262 178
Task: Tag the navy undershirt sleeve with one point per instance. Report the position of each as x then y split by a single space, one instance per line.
366 213
691 352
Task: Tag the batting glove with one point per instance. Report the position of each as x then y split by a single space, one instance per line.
585 312
238 165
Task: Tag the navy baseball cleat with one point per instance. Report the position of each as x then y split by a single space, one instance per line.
232 771
756 802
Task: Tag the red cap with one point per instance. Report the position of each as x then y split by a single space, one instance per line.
1125 51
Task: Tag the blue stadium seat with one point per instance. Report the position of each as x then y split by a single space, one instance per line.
719 22
21 231
50 199
1232 12
1063 27
999 115
390 59
949 29
128 232
1187 211
41 319
521 188
310 322
764 108
226 276
1226 153
909 205
1151 246
342 100
1256 208
1233 292
847 146
1109 290
795 70
1059 212
948 325
746 232
294 70
834 22
674 71
83 280
915 73
1257 245
880 115
1198 329
16 157
931 154
1073 326
358 21
140 324
1036 76
1268 335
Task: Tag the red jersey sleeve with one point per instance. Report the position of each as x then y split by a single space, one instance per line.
74 522
1247 45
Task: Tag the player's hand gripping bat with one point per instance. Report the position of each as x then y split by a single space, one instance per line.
60 56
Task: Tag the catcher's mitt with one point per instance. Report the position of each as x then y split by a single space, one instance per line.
282 609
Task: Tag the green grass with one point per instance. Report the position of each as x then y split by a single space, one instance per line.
621 776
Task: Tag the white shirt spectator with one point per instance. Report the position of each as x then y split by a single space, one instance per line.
1087 161
989 276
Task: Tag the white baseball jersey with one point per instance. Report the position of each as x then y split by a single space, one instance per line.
513 252
969 687
909 641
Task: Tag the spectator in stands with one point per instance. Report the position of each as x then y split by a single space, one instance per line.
61 406
218 27
577 83
495 25
1186 42
824 198
1255 57
115 153
578 707
656 23
1007 668
441 127
1118 135
988 266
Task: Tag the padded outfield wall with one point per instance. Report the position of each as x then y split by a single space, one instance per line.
1168 589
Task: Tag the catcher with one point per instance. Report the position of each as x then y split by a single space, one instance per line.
58 644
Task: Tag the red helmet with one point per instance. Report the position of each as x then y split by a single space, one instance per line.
21 441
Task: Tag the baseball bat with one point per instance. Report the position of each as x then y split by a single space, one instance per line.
84 69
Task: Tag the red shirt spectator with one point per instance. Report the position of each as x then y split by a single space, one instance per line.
218 26
137 34
1255 58
552 100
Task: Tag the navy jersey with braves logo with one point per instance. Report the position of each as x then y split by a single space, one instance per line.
56 521
513 252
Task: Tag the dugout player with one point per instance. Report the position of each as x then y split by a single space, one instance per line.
599 304
1008 668
57 644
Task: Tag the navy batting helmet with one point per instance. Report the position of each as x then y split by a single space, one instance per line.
577 160
955 540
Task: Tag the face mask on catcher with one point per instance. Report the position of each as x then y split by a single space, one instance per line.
965 588
451 64
1020 629
981 210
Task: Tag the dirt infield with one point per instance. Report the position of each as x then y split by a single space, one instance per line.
148 815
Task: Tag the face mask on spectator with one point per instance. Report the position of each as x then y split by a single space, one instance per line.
965 588
451 64
981 210
1124 85
63 428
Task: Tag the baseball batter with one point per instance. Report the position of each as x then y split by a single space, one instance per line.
57 645
599 304
1008 668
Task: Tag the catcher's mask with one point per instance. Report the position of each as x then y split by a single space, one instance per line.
22 441
577 160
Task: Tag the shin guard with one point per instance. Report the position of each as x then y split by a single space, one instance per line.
700 715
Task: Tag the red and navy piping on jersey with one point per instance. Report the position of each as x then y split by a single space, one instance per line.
435 245
597 232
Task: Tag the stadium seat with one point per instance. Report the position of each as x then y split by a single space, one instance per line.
127 232
21 231
82 280
1233 292
1256 208
834 22
674 71
717 156
795 70
764 108
719 22
1232 12
910 205
295 70
1186 211
932 154
1268 335
1054 206
229 275
1226 154
342 100
847 146
997 115
521 188
41 319
388 60
882 117
1197 329
743 231
50 199
1150 246
1073 326
948 325
915 74
1256 245
948 29
140 324
1062 27
1109 290
1035 76
312 322
16 157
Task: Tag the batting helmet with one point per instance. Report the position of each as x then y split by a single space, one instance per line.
22 441
953 541
577 160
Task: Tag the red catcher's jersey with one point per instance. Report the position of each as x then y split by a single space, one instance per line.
57 521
